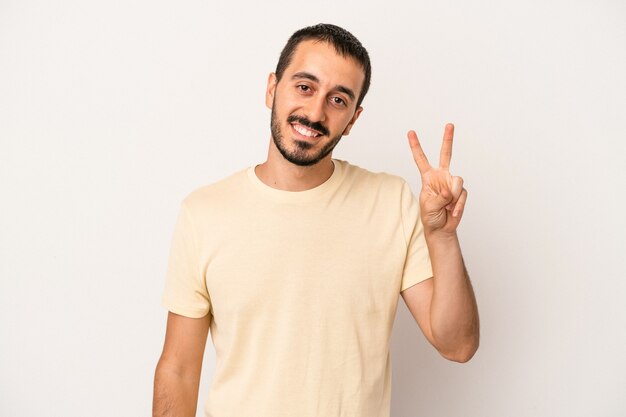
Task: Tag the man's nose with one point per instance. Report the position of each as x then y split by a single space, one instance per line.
315 109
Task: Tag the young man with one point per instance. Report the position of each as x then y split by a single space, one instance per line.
296 264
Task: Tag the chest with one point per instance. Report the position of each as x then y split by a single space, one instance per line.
345 262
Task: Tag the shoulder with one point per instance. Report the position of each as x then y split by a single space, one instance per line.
216 193
363 179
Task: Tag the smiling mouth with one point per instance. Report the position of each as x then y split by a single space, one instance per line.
305 131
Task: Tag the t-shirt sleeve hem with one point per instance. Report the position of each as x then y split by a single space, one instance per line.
194 313
416 279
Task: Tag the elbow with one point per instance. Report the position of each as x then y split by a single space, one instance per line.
460 357
463 353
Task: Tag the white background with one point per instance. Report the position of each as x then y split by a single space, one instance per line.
111 112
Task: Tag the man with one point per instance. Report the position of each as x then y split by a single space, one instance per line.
296 264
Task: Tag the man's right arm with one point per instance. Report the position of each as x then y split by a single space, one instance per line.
177 375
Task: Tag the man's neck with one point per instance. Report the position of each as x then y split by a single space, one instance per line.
281 174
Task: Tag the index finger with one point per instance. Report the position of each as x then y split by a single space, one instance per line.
418 153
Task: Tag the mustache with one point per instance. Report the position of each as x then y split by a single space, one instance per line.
306 122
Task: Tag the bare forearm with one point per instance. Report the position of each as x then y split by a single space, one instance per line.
175 394
453 311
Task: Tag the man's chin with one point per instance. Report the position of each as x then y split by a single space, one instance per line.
300 158
303 145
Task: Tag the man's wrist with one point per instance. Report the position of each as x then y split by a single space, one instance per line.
439 237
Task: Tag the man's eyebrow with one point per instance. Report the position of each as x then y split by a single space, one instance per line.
313 78
306 75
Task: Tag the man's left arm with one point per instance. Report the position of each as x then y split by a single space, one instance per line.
444 306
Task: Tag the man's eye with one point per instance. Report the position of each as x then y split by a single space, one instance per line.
338 100
304 88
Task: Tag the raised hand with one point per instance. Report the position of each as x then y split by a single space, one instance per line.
443 197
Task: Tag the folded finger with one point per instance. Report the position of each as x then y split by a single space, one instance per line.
456 188
460 204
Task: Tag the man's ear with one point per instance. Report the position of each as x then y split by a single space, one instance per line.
357 113
271 89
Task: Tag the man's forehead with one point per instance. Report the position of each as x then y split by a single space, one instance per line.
321 59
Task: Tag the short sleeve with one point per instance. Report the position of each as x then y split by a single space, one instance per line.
185 290
417 266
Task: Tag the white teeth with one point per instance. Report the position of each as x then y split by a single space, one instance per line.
304 131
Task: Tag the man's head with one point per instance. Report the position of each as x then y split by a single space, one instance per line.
344 43
321 78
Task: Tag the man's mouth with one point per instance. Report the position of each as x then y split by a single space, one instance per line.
305 131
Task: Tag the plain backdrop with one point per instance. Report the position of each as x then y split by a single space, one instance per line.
112 111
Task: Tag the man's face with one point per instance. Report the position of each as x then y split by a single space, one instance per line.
314 104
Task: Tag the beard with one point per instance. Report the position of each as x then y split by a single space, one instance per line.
302 154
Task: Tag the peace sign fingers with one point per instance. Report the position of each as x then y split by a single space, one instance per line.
418 153
444 157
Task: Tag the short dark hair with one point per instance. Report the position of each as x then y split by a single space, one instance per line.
343 41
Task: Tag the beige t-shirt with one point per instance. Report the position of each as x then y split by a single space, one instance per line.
302 288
